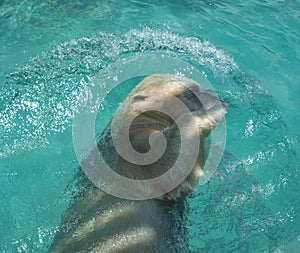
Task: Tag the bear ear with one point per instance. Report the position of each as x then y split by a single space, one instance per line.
212 116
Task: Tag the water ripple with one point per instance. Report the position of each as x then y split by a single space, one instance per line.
39 98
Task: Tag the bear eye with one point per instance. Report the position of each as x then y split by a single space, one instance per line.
140 97
189 94
190 98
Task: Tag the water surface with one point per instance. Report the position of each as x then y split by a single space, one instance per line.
248 50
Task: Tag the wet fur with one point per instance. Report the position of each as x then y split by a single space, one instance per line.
98 222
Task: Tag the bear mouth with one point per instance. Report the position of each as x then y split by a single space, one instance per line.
152 120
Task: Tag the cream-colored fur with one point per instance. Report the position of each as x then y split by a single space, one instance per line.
157 91
102 223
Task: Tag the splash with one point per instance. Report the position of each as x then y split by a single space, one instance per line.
39 98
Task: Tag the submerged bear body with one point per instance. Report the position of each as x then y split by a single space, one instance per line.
99 222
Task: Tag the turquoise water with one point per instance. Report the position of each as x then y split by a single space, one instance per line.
249 51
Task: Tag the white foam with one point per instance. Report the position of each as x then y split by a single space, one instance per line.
39 98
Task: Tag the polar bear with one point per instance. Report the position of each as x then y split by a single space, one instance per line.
99 222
